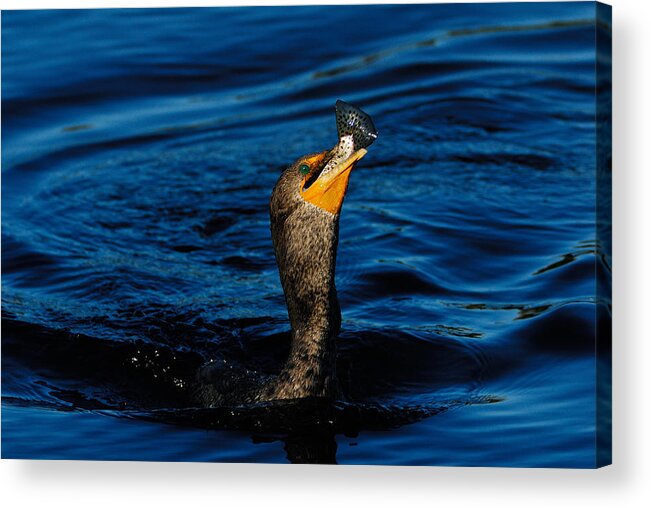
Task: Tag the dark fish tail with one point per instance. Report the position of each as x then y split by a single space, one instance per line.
352 120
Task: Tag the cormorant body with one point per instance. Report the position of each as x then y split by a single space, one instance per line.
304 212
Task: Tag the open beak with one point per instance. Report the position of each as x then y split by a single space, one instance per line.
329 189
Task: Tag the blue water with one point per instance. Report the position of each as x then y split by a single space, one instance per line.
139 150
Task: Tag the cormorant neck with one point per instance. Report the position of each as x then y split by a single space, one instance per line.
310 370
306 248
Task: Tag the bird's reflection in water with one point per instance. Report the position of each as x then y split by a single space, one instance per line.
319 447
311 449
306 427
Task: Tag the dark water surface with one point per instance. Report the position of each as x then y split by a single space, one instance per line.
139 150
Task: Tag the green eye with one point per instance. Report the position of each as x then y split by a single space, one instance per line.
304 169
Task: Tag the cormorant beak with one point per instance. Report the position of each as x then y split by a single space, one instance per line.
329 189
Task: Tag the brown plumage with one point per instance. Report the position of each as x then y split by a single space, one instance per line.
305 241
304 212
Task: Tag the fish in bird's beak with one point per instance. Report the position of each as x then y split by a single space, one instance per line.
327 173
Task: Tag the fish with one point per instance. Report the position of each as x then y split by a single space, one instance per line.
330 171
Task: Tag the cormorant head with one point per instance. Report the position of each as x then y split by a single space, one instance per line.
318 182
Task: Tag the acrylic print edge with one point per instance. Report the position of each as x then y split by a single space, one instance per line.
603 260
